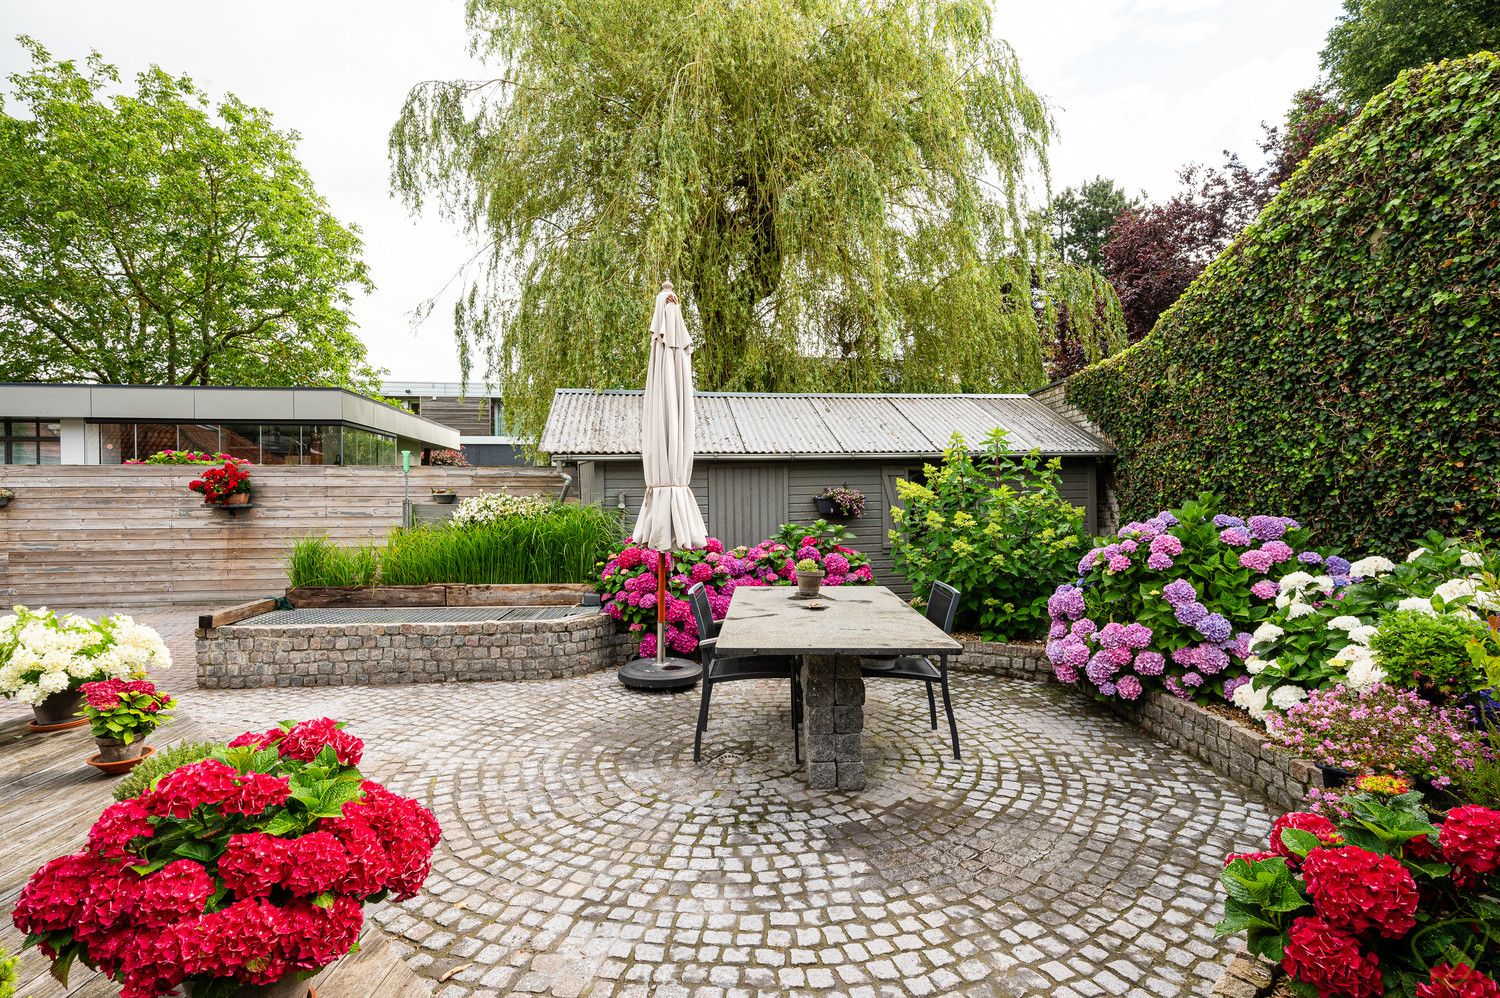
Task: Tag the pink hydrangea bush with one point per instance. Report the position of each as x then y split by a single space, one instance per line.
1170 602
238 870
627 583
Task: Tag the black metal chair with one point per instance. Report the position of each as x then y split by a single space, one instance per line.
729 670
942 605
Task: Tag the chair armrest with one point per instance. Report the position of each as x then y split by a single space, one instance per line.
706 650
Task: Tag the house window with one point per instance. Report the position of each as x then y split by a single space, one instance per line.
30 441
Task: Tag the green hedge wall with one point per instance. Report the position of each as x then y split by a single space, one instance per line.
1341 361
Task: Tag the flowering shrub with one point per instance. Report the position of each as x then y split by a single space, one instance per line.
1380 902
236 870
42 654
187 457
1430 652
493 506
447 458
1380 729
125 710
846 501
1171 601
1324 629
218 484
627 583
995 529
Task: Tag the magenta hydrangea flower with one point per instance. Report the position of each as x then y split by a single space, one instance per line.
1059 629
1150 663
1076 653
1268 528
1128 546
1257 561
836 564
1235 536
1137 635
1192 680
1118 563
1111 635
1066 603
1166 544
1065 673
1129 687
1265 589
1215 627
1190 614
1083 628
1118 657
1179 591
1279 551
1158 562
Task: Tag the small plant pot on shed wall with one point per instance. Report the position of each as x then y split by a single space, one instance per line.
5 501
445 497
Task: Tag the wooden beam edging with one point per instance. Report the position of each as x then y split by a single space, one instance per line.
235 614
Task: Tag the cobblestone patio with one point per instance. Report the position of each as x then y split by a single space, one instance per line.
585 854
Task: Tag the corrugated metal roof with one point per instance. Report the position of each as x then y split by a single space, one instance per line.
586 423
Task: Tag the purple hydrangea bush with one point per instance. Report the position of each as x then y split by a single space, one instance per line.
1170 602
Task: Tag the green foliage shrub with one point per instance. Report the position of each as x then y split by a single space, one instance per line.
995 529
144 777
8 966
1339 362
564 543
1430 651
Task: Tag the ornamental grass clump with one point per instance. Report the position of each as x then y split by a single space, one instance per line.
996 528
242 869
1386 899
1382 729
565 543
1170 602
317 561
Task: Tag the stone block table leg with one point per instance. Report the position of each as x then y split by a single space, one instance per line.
833 713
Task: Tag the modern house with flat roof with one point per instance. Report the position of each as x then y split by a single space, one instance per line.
762 458
476 413
112 424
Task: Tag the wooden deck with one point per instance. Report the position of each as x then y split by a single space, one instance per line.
49 799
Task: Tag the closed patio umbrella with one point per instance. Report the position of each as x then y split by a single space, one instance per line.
669 516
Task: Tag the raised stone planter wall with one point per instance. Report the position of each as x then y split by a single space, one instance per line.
238 656
1013 661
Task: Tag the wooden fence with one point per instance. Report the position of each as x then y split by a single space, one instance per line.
98 536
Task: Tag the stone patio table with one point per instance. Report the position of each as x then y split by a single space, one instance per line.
855 622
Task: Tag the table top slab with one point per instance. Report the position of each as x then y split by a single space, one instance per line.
858 620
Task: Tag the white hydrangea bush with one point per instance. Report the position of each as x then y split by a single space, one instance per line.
493 506
42 653
1324 624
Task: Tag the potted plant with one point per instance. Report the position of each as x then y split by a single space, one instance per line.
226 485
840 501
45 659
444 496
251 866
6 495
809 577
121 714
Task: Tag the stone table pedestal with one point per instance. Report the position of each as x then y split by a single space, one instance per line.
833 717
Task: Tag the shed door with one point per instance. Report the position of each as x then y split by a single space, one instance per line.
746 502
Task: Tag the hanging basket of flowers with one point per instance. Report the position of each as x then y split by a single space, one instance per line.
840 501
226 485
248 869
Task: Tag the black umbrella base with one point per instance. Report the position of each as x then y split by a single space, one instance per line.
673 674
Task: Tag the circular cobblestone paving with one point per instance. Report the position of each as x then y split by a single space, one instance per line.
585 853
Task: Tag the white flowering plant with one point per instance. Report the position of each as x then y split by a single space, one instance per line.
494 506
42 654
1321 633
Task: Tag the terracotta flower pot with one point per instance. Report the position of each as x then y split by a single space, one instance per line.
808 583
56 713
288 987
237 499
122 766
114 750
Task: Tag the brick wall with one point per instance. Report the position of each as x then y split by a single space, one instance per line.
237 657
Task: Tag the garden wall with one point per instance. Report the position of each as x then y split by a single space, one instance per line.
240 656
1233 750
89 535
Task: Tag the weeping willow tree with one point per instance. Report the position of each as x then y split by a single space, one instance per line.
835 188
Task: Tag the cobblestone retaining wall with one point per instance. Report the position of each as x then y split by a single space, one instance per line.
1013 661
238 657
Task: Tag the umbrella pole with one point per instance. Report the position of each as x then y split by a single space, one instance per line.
661 609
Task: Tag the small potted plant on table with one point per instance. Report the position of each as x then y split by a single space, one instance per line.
226 485
809 577
121 714
840 501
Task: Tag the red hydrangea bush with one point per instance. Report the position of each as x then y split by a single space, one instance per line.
237 870
1386 900
627 583
1170 602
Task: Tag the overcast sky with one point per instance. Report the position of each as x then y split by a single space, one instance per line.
1139 88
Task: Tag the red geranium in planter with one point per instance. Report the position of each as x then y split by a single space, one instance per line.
242 869
217 485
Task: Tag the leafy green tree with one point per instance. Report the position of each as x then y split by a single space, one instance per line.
835 187
1082 215
1376 39
149 238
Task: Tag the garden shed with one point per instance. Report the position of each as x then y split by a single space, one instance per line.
761 458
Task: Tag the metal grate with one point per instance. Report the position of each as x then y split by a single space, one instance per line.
311 616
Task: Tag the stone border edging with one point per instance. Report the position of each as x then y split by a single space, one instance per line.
241 657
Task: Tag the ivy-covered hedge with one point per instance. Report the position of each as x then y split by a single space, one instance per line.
1341 361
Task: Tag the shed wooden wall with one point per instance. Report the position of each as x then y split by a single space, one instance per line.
99 536
723 509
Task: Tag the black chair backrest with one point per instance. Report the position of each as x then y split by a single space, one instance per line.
702 612
942 606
